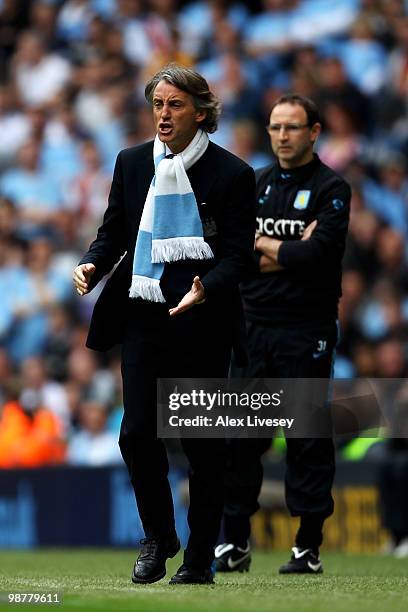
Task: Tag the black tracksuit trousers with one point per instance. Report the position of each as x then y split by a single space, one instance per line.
301 351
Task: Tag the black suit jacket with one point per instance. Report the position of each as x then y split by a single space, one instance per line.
224 187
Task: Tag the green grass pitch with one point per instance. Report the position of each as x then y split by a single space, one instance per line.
100 580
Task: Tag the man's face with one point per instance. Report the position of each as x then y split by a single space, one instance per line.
292 139
175 116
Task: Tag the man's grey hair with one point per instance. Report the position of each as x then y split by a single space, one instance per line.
192 83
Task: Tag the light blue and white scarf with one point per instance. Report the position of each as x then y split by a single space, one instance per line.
170 228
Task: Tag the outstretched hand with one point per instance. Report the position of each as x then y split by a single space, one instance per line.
196 295
82 276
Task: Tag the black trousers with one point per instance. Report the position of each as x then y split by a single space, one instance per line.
189 345
393 487
283 352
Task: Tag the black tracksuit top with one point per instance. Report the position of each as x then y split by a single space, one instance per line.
308 289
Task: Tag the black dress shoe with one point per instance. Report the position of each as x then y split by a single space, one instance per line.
150 565
188 575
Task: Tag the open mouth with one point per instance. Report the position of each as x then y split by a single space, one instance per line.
165 128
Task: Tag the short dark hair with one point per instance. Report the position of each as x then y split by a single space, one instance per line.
192 83
310 108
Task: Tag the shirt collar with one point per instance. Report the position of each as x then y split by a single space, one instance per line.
296 175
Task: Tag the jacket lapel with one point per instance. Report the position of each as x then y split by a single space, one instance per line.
139 174
145 173
203 175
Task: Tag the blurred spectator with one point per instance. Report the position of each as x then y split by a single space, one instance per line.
160 25
37 288
61 144
388 196
142 129
38 75
361 243
304 77
335 87
91 107
340 142
381 315
111 138
58 342
14 127
313 22
391 359
93 444
197 22
225 34
51 395
74 20
88 192
96 40
364 358
168 49
391 256
137 46
233 81
364 58
245 144
271 29
94 384
73 391
35 192
30 435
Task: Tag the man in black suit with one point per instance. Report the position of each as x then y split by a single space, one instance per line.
184 315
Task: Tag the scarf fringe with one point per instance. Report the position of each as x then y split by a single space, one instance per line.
175 249
146 288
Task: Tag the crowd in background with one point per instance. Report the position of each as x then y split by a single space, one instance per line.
72 77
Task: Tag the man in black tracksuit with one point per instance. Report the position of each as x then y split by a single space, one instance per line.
291 310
